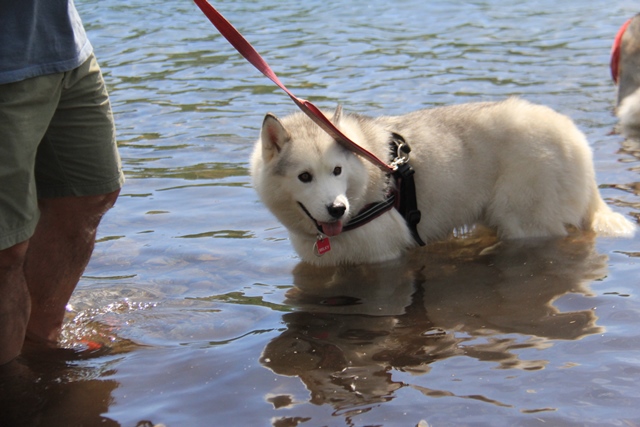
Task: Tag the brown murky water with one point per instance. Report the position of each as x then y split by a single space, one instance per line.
194 310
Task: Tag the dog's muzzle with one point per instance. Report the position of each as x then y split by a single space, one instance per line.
332 228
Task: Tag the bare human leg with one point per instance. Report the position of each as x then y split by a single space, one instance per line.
37 277
58 253
15 305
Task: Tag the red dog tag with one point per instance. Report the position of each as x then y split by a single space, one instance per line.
322 245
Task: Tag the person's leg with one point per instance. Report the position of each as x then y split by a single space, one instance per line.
62 124
38 276
78 175
26 107
57 255
14 301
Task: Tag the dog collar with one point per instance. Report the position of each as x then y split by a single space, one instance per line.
366 214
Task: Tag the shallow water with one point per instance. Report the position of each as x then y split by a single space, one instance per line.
194 310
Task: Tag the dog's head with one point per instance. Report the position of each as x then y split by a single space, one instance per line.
307 179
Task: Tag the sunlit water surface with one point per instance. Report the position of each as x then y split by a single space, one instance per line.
195 311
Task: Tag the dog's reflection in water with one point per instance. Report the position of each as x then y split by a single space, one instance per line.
354 325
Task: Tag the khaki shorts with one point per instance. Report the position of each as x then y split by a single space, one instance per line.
57 139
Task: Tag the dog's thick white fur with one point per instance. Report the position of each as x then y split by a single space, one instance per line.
522 169
629 114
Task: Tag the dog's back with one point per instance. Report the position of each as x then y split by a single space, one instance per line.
521 168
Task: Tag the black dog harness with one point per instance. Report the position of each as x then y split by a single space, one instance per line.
406 187
402 197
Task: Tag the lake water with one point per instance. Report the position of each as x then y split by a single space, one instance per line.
195 311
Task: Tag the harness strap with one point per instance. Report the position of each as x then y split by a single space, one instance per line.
371 212
407 203
403 198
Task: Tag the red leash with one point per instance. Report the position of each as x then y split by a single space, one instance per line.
245 49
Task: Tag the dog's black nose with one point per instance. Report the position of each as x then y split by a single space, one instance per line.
336 210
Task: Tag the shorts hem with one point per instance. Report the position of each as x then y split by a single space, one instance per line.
82 190
21 235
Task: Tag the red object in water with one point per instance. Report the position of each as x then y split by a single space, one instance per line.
615 51
91 345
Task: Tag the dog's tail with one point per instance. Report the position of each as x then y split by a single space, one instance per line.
606 222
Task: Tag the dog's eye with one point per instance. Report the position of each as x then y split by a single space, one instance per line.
337 170
305 177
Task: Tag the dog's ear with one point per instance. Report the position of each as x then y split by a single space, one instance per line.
274 136
337 115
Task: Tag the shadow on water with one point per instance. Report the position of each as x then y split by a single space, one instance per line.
55 388
354 326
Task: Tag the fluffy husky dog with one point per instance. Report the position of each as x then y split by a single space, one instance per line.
522 169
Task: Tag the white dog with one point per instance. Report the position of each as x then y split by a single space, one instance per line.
522 169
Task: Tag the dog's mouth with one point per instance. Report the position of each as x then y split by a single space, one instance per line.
329 229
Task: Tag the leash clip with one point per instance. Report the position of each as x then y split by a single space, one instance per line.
403 152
